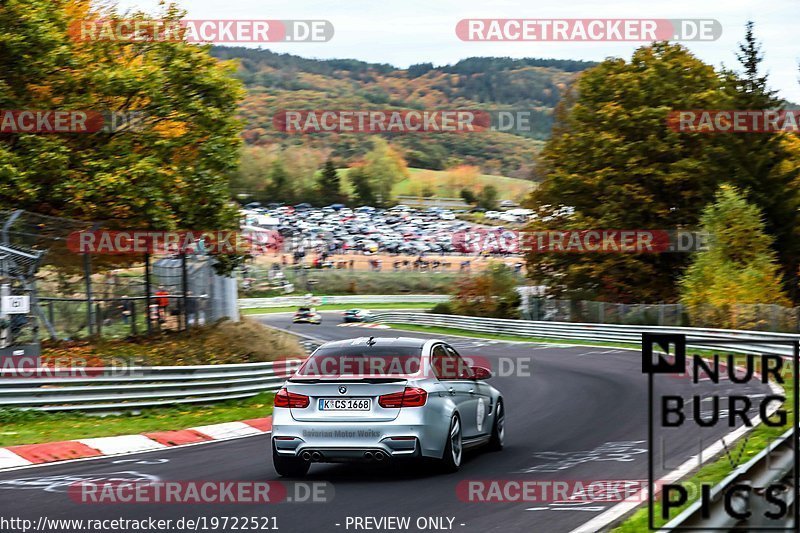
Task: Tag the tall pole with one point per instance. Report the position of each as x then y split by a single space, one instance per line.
147 292
87 273
5 333
185 286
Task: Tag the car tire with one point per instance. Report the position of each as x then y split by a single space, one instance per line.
499 428
454 449
289 466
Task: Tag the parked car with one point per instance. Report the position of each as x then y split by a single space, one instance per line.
384 399
307 315
357 315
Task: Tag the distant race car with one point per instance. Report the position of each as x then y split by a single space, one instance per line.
382 399
307 315
357 315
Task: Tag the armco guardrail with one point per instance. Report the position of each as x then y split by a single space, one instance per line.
87 389
701 337
771 464
288 301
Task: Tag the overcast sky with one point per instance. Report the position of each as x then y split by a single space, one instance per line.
404 32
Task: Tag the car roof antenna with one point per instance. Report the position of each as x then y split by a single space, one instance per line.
371 341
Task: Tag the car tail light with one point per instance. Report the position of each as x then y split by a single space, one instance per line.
410 397
285 398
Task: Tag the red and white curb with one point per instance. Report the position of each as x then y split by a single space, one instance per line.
50 452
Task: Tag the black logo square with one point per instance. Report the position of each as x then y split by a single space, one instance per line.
662 365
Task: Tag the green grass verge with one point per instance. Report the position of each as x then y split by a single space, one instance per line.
33 427
710 474
339 307
517 338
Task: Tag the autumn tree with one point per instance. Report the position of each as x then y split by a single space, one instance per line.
171 172
385 167
613 159
492 293
739 266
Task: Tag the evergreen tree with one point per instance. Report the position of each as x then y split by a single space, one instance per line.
329 186
468 196
278 189
487 198
363 194
739 266
755 161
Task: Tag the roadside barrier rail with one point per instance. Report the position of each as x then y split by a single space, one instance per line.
291 301
109 388
758 341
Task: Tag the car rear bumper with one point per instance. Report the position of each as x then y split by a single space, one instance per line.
352 442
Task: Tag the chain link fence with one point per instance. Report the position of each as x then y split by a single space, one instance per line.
73 295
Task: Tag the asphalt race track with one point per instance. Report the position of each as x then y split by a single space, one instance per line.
581 414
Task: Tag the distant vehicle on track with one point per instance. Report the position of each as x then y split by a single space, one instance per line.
357 315
307 315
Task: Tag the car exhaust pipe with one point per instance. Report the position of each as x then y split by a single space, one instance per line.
316 456
369 456
306 456
380 456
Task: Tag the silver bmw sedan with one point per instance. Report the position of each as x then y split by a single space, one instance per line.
378 399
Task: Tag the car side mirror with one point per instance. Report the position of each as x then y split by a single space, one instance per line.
480 372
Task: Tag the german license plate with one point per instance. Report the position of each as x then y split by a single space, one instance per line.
345 404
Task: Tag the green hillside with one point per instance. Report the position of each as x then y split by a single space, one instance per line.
277 82
448 184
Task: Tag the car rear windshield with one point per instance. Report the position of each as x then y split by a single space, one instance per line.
304 310
369 361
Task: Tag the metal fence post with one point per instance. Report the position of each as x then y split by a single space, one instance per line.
147 292
87 272
51 314
185 287
133 317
